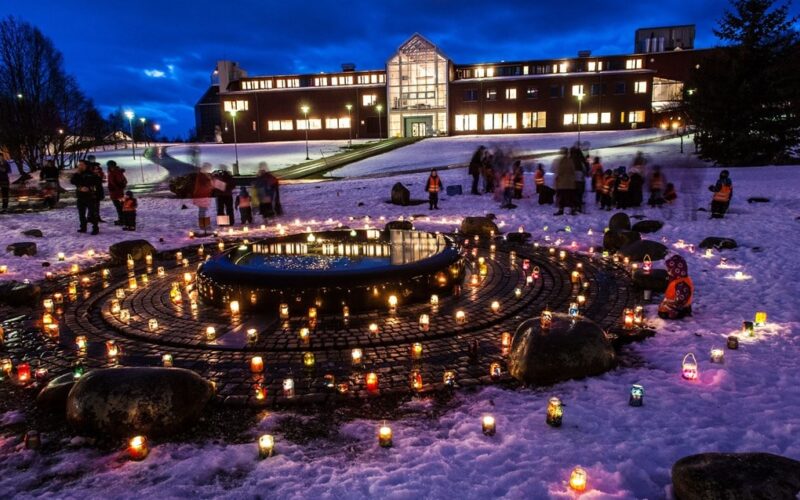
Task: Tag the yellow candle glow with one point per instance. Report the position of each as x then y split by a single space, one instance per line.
124 315
760 318
424 323
488 425
152 324
461 317
304 334
256 364
283 309
416 350
266 446
577 479
434 300
385 436
211 333
80 342
137 448
495 306
357 356
148 259
112 349
373 328
234 305
166 360
61 256
309 359
392 302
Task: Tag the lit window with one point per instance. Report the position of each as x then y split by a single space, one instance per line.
636 117
491 94
320 81
344 122
480 72
313 124
235 105
511 93
286 125
570 118
254 125
591 118
466 122
279 125
534 119
560 68
633 64
489 72
280 83
509 120
331 123
293 82
595 66
532 93
605 117
492 121
525 70
369 99
577 90
640 87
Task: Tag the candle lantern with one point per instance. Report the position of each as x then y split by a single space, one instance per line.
638 315
148 259
357 355
112 349
573 309
309 360
58 298
647 264
385 436
283 309
132 285
145 278
61 256
562 255
416 380
505 340
234 305
32 440
256 364
187 279
748 329
288 388
517 292
424 323
449 378
80 342
392 303
221 246
546 320
152 324
628 319
51 329
760 318
416 350
581 299
72 289
535 273
637 395
312 314
329 381
461 317
160 272
495 306
23 373
689 368
252 335
48 305
178 256
3 269
372 381
211 333
434 300
345 312
575 277
166 360
528 280
175 295
555 412
124 315
137 448
6 366
343 388
130 263
577 479
305 335
474 280
488 425
105 273
495 371
266 446
78 369
260 392
717 356
733 342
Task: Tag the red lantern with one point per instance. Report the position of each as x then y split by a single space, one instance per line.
372 381
24 373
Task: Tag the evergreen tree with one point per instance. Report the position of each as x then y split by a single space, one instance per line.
745 99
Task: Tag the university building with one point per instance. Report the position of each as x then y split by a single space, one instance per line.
421 92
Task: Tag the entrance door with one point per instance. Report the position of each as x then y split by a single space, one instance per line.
419 129
418 126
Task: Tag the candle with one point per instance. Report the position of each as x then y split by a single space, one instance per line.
201 250
357 356
562 255
283 309
535 273
495 371
449 378
517 292
689 369
51 330
424 323
252 335
112 349
178 256
392 303
234 305
581 301
748 329
526 264
309 360
266 446
145 279
628 319
48 305
505 340
78 369
72 288
717 356
345 312
132 283
416 350
461 317
577 479
488 425
130 263
385 436
256 364
760 318
305 335
637 395
152 324
372 381
555 412
573 309
23 373
137 448
221 246
187 279
733 342
260 392
6 366
124 315
638 315
211 333
288 388
58 298
495 306
546 320
416 380
61 256
575 277
160 272
329 380
166 360
148 259
312 314
434 300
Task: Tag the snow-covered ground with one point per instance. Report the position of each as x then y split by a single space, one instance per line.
749 403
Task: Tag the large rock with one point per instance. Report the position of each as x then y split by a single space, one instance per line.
144 400
614 240
647 226
22 248
619 222
400 194
135 248
53 397
569 349
33 233
638 249
718 243
402 225
656 280
715 476
18 294
481 226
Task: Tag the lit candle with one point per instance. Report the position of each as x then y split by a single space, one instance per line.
48 305
689 369
130 262
312 314
392 303
148 259
283 309
505 340
187 278
581 301
112 349
535 273
517 292
61 256
23 373
373 328
115 307
638 315
211 333
266 446
424 323
78 369
449 378
234 305
577 479
178 256
733 342
526 264
495 306
345 312
72 288
6 366
562 255
152 324
434 300
221 246
575 277
573 309
748 329
627 319
760 318
461 317
495 371
288 388
124 315
357 356
260 392
305 335
80 342
166 360
58 298
416 350
555 412
416 380
637 395
385 436
717 356
372 381
132 283
546 320
488 425
160 272
252 335
309 360
137 448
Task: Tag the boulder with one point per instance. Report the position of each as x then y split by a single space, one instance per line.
517 237
736 475
757 199
402 225
53 397
571 348
400 194
718 243
142 400
614 240
619 222
656 280
647 226
135 248
638 249
481 226
33 233
18 294
22 248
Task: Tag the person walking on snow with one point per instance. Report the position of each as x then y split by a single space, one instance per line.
433 186
507 186
723 192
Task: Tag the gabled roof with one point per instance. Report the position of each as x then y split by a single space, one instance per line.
418 43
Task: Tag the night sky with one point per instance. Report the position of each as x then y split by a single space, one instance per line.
156 57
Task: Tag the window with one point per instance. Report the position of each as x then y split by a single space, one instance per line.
605 117
344 122
577 90
556 91
619 88
598 89
470 95
560 68
280 83
591 118
511 94
320 81
639 87
525 70
532 93
331 123
489 72
570 118
636 116
492 121
509 120
586 119
313 123
369 99
633 64
491 94
235 105
534 119
279 125
466 122
480 72
595 66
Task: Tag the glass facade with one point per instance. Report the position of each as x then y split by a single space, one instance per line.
417 78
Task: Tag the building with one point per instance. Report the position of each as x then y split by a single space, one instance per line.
421 92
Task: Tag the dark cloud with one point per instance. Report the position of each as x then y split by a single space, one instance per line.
108 46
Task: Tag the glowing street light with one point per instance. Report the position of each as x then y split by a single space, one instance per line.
350 123
305 110
144 130
580 101
129 115
379 108
235 146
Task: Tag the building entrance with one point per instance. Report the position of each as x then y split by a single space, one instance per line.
418 126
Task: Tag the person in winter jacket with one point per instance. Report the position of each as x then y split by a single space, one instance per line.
116 188
678 297
475 167
99 190
488 174
596 175
607 190
86 188
49 176
564 168
224 184
622 189
5 183
433 186
581 169
519 180
670 194
129 205
544 191
244 204
507 186
723 192
656 187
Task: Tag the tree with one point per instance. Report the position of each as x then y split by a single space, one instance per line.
743 99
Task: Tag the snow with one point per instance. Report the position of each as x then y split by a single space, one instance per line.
749 403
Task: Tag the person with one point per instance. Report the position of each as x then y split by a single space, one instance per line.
268 193
678 297
129 205
201 194
49 177
507 186
475 166
723 192
622 189
224 184
564 170
581 169
519 180
488 174
100 193
607 190
433 186
244 204
596 175
670 194
85 182
656 187
5 182
116 187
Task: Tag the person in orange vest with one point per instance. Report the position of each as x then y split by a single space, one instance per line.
519 180
677 301
606 190
507 186
656 185
433 186
621 193
596 174
129 205
545 192
723 192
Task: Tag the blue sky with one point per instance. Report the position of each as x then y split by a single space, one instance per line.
155 57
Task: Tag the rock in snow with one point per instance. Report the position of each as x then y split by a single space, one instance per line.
614 240
135 248
718 243
619 222
479 226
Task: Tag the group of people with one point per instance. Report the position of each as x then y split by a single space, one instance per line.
493 167
89 193
262 194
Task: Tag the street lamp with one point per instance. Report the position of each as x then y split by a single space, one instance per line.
144 130
305 110
350 123
675 126
235 146
379 107
580 101
129 115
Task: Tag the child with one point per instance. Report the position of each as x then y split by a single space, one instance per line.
519 180
656 188
723 192
507 185
607 190
433 186
670 194
622 192
129 204
244 204
596 174
677 301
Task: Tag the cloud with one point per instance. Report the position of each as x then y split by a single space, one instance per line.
155 73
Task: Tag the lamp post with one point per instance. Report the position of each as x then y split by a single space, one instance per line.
580 101
379 107
235 145
129 115
350 123
144 130
305 109
675 126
